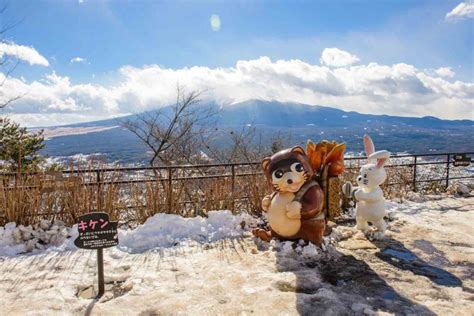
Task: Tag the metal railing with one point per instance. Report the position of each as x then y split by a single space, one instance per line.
416 170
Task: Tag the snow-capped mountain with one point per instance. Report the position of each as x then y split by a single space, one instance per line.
301 121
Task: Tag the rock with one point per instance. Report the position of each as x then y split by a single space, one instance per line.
354 244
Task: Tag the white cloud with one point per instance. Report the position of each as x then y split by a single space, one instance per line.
215 21
398 89
24 53
445 72
79 60
464 10
335 57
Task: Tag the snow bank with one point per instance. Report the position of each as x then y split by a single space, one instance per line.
167 230
20 239
159 231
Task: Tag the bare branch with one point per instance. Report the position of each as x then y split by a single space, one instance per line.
5 60
170 133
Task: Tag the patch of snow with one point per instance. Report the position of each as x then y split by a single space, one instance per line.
167 230
159 231
51 132
21 239
226 275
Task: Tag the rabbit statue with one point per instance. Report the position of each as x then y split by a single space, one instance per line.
369 197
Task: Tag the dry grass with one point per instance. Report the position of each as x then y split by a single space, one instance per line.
27 198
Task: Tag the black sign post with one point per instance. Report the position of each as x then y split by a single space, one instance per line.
100 272
97 232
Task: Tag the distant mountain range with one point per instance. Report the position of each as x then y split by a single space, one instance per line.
301 121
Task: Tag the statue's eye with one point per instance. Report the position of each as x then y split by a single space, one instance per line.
278 174
297 167
365 176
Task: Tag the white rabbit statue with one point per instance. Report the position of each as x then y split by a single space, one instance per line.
368 195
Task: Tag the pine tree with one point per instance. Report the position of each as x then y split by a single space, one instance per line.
19 149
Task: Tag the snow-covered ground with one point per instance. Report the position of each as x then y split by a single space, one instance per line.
213 266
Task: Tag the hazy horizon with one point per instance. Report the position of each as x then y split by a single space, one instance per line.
85 60
249 100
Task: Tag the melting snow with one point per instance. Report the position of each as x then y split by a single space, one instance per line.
194 266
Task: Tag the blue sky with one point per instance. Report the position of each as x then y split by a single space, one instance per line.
106 36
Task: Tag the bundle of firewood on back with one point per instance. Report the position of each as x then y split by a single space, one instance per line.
327 161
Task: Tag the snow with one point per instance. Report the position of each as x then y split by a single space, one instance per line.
166 230
195 266
20 239
51 132
159 231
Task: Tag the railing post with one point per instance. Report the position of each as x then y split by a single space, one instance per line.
414 172
233 188
447 170
99 200
170 190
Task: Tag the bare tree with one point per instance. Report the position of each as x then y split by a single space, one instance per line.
245 145
170 132
7 64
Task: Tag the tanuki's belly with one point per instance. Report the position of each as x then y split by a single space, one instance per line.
277 218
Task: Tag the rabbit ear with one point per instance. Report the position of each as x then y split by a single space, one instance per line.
381 162
368 145
381 156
